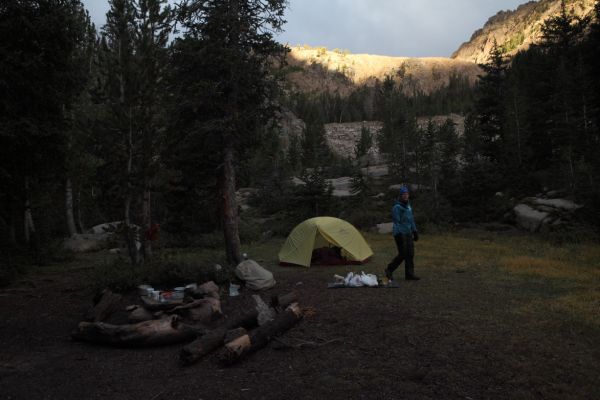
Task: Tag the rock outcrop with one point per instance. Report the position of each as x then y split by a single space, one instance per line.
342 139
536 214
516 30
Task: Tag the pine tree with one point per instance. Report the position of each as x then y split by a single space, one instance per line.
393 139
488 106
223 85
315 150
364 143
152 30
133 57
40 80
80 163
561 39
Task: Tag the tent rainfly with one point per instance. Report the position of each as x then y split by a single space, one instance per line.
321 231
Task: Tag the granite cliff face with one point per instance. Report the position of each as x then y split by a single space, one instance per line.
518 29
316 69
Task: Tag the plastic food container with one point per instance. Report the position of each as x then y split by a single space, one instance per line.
143 290
178 293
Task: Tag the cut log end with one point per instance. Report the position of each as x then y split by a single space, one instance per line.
235 350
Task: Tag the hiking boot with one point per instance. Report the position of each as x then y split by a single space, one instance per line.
388 274
412 278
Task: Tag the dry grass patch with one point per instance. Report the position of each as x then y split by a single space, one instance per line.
552 280
550 268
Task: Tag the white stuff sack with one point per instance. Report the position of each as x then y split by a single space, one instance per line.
368 279
352 280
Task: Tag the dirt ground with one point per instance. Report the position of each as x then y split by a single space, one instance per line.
456 334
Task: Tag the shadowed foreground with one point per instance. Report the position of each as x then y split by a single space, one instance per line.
493 317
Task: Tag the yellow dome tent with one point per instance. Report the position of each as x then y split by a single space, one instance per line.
321 231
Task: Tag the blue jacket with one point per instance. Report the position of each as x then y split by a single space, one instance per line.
404 221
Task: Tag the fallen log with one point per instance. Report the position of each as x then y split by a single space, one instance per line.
208 310
140 314
280 303
203 310
234 334
105 307
208 289
235 350
149 333
215 338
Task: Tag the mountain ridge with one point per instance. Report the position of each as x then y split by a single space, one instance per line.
316 69
516 30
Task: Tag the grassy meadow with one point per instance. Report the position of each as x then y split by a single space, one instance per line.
557 282
567 276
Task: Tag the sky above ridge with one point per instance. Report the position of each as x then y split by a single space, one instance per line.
407 28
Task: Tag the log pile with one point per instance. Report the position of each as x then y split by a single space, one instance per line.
151 324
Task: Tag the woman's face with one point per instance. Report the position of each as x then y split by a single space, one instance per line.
404 197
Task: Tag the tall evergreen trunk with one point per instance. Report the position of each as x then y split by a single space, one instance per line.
28 225
404 166
79 216
518 129
230 214
130 231
12 226
146 219
32 237
69 208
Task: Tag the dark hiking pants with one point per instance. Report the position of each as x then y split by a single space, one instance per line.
406 253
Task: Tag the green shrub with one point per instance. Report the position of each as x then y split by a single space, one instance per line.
118 275
250 231
366 217
571 234
166 270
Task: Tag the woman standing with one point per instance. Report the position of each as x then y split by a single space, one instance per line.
405 233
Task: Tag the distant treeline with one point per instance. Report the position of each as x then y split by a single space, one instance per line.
531 123
128 124
364 103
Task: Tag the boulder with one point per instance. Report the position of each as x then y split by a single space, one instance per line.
105 227
298 182
542 214
375 171
87 242
562 204
528 218
342 187
385 228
